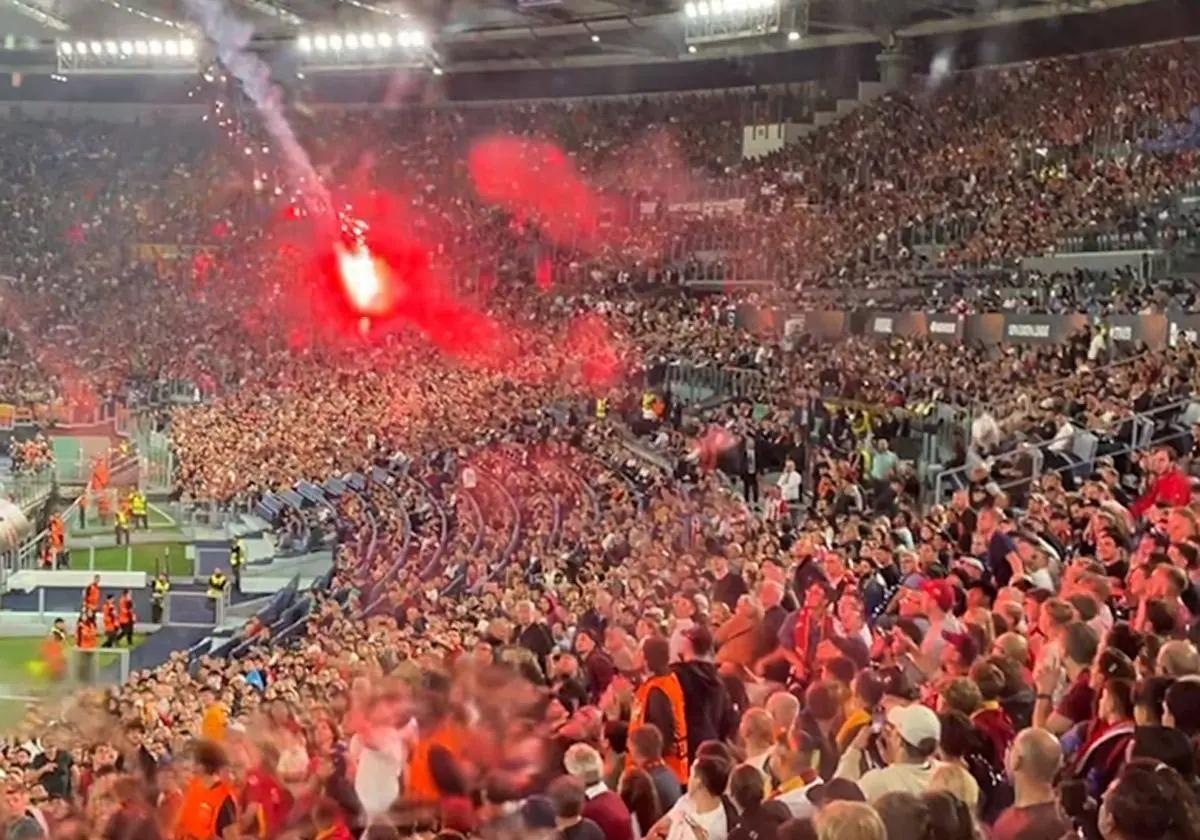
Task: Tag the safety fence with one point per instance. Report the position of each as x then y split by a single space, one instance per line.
1075 456
1153 331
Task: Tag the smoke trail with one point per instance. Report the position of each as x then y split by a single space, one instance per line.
231 37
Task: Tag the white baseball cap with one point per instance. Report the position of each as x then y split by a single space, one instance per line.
915 723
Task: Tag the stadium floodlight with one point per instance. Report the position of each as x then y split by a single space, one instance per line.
141 48
385 40
304 44
96 47
171 48
65 47
689 9
717 6
335 42
367 39
187 47
127 48
81 48
321 43
418 38
110 47
793 36
156 47
703 9
352 41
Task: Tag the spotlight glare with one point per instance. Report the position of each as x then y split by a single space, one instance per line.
171 48
110 47
304 43
321 43
385 40
187 48
96 47
793 36
81 48
156 47
126 48
595 39
402 39
65 47
418 38
703 8
367 39
352 41
689 9
691 49
140 48
335 42
437 71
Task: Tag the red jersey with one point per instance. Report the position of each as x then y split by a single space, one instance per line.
263 789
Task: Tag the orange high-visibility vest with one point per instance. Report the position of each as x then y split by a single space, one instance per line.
110 617
201 806
53 656
419 782
86 636
125 610
91 596
677 753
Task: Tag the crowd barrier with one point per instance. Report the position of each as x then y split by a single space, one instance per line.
1155 331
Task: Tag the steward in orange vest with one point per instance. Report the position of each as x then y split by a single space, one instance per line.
209 807
111 627
659 700
54 650
87 637
125 618
91 595
447 734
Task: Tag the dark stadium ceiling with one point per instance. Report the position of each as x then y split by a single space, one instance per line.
481 33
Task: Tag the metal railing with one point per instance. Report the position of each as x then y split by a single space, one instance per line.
698 383
1134 434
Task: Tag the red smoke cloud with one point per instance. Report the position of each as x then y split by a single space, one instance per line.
535 180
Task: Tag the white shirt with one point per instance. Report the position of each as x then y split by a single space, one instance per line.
682 625
469 478
377 777
789 485
797 800
684 809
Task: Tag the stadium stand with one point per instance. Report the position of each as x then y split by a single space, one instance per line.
613 558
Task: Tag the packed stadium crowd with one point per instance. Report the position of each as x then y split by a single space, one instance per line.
532 628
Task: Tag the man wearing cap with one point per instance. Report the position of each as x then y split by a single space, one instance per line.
910 738
937 602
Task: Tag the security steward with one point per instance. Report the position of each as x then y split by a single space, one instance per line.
137 507
158 597
237 559
209 807
112 627
54 650
217 584
121 526
87 637
91 595
126 618
659 700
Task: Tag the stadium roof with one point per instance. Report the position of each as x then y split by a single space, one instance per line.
478 34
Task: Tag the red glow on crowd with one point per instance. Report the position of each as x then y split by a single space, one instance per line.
537 181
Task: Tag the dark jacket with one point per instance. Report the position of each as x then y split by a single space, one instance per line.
706 704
